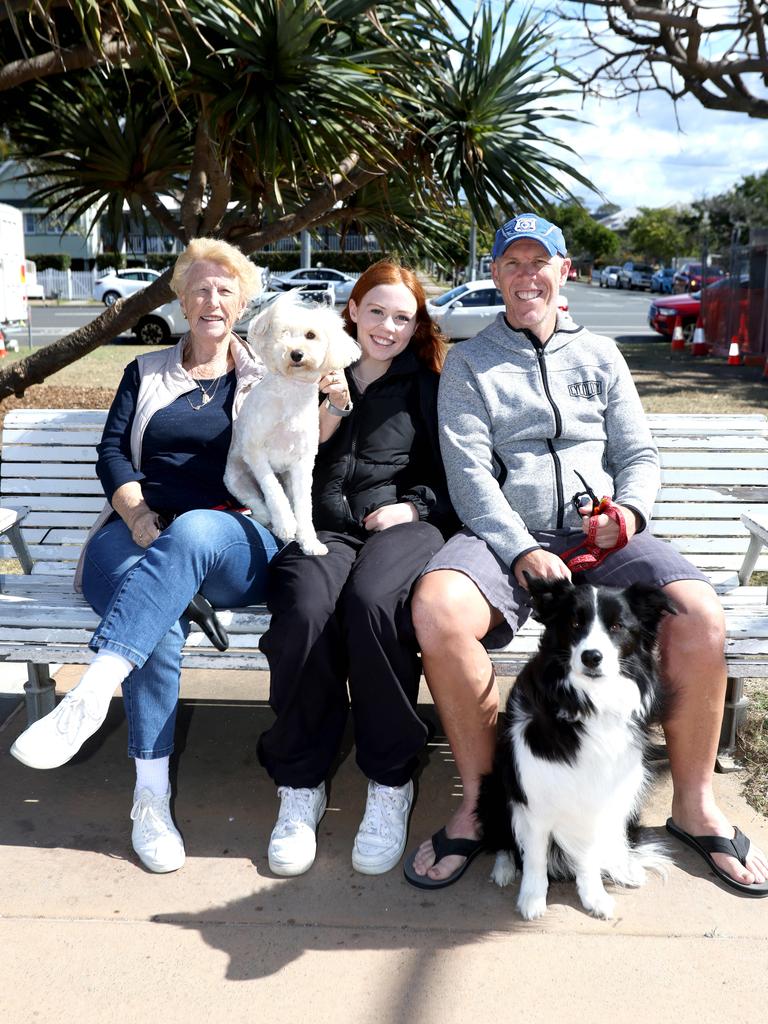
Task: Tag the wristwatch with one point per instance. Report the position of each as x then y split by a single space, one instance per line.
335 411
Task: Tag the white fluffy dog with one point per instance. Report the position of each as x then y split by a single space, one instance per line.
276 434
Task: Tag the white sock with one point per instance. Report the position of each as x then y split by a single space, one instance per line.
107 669
103 676
152 774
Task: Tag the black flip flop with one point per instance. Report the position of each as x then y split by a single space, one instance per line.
201 611
443 847
737 847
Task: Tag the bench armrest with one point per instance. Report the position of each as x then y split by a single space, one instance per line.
757 525
10 525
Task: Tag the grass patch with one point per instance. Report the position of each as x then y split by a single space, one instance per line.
753 745
101 368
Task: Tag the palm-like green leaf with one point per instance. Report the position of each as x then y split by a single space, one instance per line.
486 134
106 151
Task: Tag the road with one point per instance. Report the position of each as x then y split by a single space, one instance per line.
619 314
49 323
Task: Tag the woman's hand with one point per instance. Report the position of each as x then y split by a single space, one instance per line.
128 502
335 386
145 528
391 515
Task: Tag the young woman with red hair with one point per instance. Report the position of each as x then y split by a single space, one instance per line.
340 635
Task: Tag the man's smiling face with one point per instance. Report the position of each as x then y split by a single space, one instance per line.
529 280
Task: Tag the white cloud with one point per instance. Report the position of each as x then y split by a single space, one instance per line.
635 152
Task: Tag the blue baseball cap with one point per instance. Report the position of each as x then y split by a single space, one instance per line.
528 225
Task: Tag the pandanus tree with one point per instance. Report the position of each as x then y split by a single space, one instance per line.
251 120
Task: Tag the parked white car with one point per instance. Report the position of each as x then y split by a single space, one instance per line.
119 283
464 311
315 279
610 277
167 321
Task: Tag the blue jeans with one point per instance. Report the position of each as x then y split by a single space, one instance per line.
141 595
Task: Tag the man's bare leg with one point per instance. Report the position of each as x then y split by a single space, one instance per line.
694 665
451 616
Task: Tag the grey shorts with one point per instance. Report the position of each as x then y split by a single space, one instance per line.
646 559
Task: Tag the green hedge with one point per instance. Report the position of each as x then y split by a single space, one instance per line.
51 260
351 262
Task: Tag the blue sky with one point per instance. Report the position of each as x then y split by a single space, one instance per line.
638 152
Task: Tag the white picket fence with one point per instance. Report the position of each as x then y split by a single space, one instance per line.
67 284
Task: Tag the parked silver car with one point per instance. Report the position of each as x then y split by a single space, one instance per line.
315 279
635 275
609 277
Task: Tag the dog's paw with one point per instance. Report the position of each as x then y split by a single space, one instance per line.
531 906
312 547
284 527
600 905
504 869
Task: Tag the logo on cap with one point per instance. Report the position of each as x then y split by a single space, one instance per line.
525 224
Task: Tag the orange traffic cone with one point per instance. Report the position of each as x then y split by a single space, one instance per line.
699 346
3 350
734 356
678 341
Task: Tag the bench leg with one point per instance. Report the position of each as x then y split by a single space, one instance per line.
750 559
40 692
735 706
20 547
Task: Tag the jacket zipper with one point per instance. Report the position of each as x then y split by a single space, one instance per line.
558 431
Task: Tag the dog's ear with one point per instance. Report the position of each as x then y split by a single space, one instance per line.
547 596
649 603
260 326
342 349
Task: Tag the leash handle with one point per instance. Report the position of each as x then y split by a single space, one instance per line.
591 555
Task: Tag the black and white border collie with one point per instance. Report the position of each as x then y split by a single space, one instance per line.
570 771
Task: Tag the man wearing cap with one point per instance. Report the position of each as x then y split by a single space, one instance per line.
523 407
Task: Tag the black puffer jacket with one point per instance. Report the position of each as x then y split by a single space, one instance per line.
387 451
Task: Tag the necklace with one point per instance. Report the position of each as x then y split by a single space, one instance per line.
361 382
207 393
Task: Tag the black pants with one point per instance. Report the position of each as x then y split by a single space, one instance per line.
345 617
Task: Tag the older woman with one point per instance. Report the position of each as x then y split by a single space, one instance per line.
169 534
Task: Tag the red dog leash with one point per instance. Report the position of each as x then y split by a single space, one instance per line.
586 554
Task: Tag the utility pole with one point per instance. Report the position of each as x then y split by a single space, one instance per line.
472 268
306 249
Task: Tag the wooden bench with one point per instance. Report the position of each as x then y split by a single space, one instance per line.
715 483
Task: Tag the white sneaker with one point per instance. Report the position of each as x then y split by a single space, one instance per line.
53 740
293 843
380 840
155 838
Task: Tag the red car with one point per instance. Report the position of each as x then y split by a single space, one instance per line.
688 277
664 311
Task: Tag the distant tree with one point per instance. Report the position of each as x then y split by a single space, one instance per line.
605 210
717 53
656 233
587 240
258 118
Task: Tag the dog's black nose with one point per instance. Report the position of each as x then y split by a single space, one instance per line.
297 355
591 658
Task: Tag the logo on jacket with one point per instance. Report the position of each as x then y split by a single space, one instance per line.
586 389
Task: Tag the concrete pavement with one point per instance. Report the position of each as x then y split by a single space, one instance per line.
87 935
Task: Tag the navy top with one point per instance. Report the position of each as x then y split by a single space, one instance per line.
184 451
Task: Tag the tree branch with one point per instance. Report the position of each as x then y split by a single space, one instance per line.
17 72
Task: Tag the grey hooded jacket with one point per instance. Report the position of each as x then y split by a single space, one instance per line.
517 419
